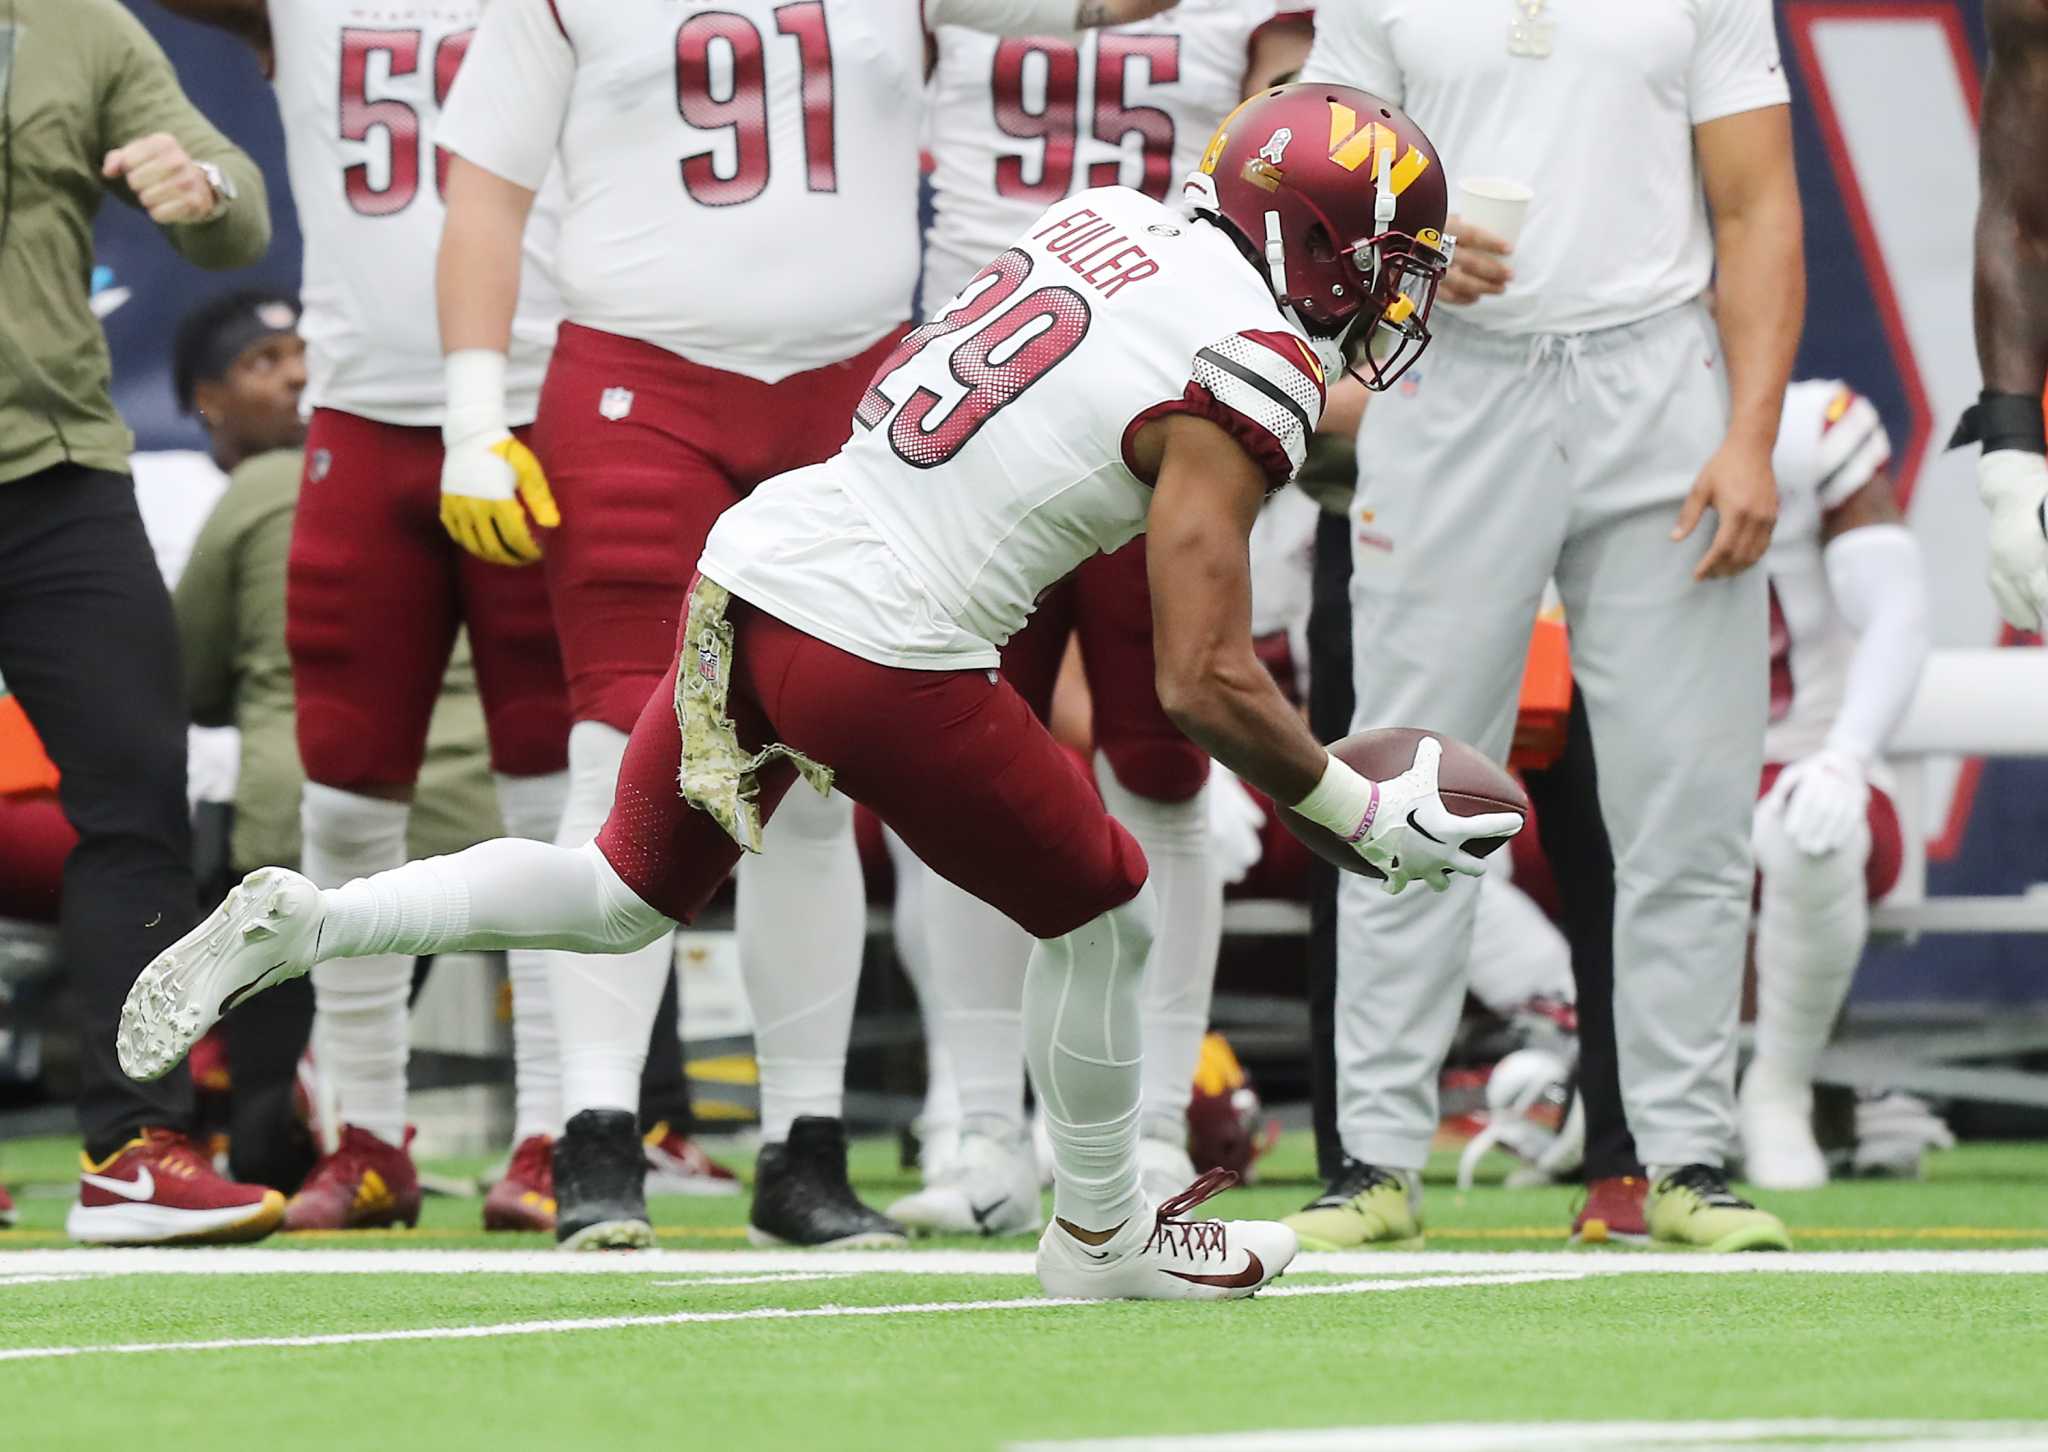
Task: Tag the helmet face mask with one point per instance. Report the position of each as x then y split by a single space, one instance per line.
1348 236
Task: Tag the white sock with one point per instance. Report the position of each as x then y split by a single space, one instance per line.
532 807
802 919
1181 976
1081 1029
360 1012
1517 953
1810 930
979 961
908 921
604 1006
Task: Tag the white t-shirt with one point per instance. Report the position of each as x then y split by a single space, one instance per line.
741 182
989 457
1600 128
360 87
1018 124
1830 444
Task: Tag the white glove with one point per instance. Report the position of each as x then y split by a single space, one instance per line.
2013 484
491 484
1236 822
1402 826
1824 798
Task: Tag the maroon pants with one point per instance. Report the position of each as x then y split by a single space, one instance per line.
374 593
953 760
644 451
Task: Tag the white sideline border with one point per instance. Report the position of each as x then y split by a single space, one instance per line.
569 1325
228 1260
1809 1432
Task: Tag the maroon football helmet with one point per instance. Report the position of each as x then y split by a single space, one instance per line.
1343 200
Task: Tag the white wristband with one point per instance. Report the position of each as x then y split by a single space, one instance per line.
1344 801
476 395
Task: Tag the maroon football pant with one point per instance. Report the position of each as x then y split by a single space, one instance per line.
953 760
375 590
644 451
1107 605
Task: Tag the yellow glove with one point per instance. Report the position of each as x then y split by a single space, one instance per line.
492 487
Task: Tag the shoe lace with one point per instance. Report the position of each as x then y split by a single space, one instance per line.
174 1153
533 1162
1708 1184
1193 1239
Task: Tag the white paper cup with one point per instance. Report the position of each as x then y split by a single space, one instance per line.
1496 204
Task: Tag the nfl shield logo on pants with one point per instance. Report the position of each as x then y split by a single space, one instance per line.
615 403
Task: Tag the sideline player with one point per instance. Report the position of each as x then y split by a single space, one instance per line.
2012 308
376 591
1015 125
849 616
1849 637
738 248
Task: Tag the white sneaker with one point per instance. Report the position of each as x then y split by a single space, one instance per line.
938 1146
261 936
1170 1259
1779 1151
1164 1169
990 1189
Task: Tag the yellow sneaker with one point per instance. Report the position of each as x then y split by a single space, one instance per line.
1693 1207
1365 1207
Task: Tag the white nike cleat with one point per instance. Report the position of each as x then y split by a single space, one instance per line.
1164 1169
991 1188
262 935
1779 1151
1179 1260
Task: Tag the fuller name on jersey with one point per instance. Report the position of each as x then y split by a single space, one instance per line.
991 454
360 88
1019 123
1831 443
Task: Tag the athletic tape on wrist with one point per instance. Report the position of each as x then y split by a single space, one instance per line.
2002 421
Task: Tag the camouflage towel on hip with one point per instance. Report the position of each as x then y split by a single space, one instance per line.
717 774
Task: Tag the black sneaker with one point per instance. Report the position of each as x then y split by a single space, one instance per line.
802 1196
601 1183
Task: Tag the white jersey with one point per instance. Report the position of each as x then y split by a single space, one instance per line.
360 87
741 183
1572 99
991 454
1830 444
1018 124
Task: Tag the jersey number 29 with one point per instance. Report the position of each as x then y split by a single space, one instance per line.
1025 338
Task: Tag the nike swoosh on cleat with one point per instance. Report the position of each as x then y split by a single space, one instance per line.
982 1212
1418 827
245 991
142 1187
1254 1272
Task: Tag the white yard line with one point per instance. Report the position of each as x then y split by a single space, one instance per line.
228 1260
779 1279
687 1318
1892 1436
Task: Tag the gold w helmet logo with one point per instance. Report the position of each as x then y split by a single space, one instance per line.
1353 145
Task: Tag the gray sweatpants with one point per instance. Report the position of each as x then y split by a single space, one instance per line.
1519 459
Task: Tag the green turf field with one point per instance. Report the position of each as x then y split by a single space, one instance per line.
1914 1315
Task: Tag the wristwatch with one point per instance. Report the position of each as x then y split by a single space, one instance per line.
223 189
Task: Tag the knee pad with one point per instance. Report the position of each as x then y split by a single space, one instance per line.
526 736
1801 877
1136 923
1160 768
342 747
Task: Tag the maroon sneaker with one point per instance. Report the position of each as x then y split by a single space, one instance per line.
365 1184
1613 1211
158 1189
525 1198
677 1165
6 1209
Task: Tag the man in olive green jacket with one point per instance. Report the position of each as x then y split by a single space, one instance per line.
90 108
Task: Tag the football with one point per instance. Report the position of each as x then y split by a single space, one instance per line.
1469 781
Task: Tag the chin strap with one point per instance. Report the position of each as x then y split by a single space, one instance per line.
1276 255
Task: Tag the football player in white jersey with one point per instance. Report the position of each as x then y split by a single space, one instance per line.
1015 125
376 590
705 156
1124 367
1849 637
